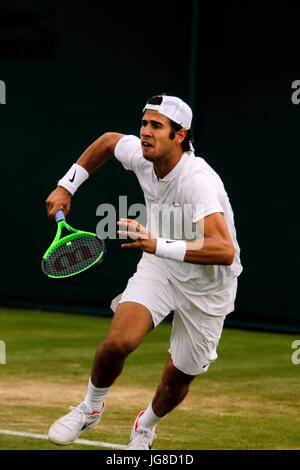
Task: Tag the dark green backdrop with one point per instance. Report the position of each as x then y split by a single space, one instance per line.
74 73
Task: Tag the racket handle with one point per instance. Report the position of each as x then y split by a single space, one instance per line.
59 216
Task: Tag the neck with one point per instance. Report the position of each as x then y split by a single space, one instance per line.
165 165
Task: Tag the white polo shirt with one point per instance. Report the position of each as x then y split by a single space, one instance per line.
191 182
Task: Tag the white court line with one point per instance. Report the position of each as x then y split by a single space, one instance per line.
78 441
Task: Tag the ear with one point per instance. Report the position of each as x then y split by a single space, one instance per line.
180 135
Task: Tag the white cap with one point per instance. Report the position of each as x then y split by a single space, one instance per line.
175 109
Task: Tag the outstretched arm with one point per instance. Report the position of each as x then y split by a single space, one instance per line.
99 151
91 159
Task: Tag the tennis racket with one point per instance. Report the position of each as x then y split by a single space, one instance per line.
73 253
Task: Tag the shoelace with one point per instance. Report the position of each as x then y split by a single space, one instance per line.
75 417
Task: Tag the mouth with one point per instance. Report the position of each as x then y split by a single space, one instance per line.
146 145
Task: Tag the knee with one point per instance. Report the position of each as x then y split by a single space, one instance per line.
117 348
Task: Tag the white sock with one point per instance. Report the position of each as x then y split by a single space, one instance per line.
95 396
148 420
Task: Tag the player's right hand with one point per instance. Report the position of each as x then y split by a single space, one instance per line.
60 198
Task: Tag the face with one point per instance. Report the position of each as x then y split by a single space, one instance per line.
155 136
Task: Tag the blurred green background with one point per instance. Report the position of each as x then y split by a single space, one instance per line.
75 72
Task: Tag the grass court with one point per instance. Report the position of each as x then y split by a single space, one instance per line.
248 399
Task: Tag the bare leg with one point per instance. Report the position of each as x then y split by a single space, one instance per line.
130 324
172 389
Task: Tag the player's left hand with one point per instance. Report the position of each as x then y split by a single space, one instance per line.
137 232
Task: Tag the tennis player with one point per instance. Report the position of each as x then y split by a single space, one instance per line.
194 277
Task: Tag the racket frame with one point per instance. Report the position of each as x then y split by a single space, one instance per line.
57 242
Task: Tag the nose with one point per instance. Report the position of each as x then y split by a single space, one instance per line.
145 130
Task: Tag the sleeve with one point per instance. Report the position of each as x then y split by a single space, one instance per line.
129 152
204 196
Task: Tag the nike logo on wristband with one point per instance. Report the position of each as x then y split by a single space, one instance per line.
72 179
170 241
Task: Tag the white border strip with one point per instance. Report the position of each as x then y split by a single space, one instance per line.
78 441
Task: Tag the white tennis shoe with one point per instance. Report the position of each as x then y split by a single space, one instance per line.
67 429
141 440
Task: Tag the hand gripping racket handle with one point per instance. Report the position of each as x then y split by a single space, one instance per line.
59 216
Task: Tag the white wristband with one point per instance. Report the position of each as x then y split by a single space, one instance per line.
73 178
171 249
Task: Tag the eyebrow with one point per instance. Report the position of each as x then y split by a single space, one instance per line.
152 121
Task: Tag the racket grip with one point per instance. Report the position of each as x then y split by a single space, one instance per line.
59 216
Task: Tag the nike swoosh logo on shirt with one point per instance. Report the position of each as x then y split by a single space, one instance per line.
72 179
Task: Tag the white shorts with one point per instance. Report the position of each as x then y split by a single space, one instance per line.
195 334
